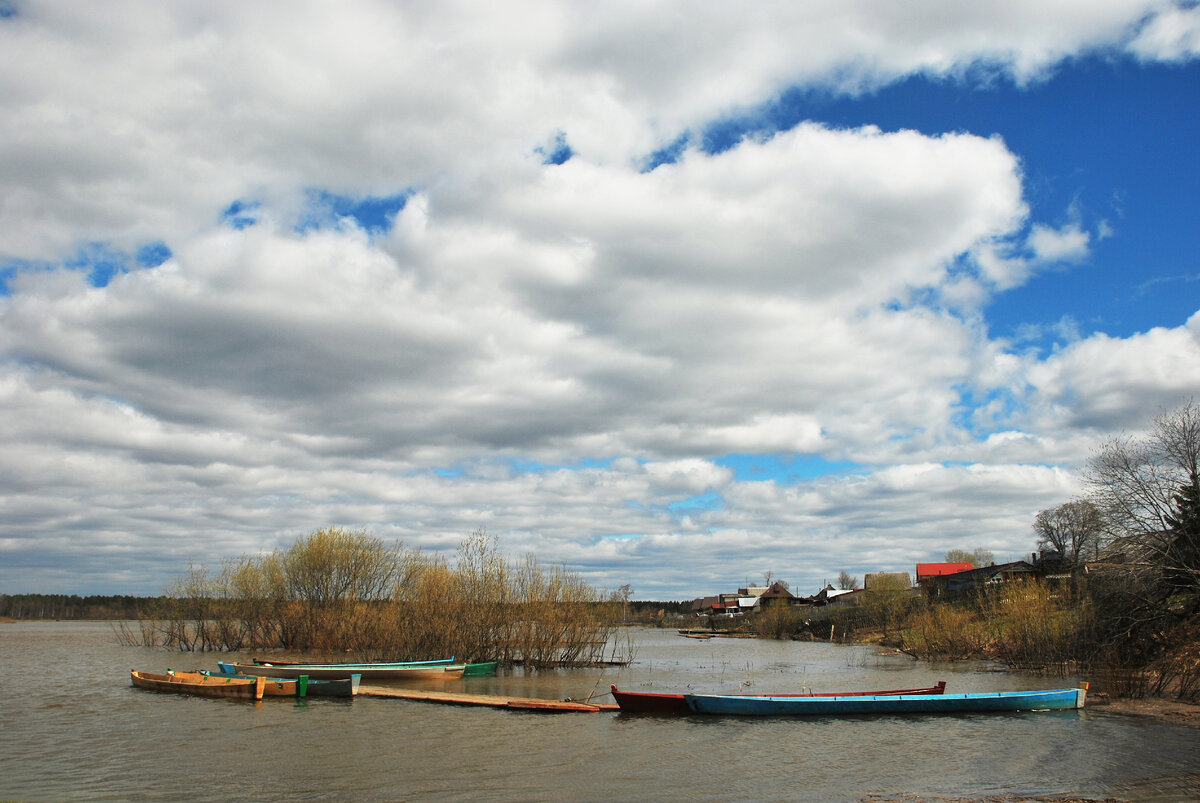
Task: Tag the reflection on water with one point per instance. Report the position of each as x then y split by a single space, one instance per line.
74 729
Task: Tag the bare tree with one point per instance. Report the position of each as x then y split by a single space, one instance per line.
847 581
1136 482
978 558
1072 530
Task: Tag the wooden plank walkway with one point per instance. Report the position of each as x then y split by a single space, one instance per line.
488 700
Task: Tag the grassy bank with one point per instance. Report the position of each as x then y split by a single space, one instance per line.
1034 628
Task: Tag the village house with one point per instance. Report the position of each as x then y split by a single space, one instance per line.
777 594
984 576
927 571
933 579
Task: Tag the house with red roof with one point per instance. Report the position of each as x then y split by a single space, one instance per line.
927 571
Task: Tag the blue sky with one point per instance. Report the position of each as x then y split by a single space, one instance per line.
787 290
1106 140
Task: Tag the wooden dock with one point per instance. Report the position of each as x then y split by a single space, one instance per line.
487 700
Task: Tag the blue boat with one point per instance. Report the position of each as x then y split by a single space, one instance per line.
733 705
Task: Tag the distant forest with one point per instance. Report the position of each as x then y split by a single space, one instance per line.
120 606
73 606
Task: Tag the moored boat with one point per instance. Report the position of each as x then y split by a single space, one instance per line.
272 687
288 662
1005 701
642 702
339 687
480 669
198 684
369 672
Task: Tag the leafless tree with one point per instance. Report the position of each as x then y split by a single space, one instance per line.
1135 483
978 558
1072 530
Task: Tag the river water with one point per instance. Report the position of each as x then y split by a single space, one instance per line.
74 729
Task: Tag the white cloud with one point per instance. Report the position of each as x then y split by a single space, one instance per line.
1171 35
1069 243
1101 381
123 131
557 353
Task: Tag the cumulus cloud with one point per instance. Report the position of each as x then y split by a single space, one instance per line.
1069 243
405 268
1102 382
1171 35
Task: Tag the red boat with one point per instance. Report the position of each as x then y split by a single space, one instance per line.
643 702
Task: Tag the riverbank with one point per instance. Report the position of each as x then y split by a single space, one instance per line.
1179 712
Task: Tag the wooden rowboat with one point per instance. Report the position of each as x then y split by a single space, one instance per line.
340 664
341 687
272 687
469 670
641 702
369 672
1005 701
202 685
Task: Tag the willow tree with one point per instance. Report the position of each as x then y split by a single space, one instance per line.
483 576
329 575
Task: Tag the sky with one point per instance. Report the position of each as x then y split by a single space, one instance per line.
672 294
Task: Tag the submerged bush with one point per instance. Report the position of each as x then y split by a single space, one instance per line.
346 594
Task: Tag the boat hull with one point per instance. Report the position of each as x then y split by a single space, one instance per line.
637 702
340 687
339 664
368 672
729 705
200 685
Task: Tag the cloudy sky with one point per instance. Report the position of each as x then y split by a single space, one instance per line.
672 293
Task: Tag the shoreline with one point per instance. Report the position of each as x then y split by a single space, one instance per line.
1172 710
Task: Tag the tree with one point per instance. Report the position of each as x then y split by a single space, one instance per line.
333 566
886 602
980 557
327 573
1135 482
847 581
622 596
1184 530
1072 530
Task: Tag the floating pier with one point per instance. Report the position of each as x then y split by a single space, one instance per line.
486 700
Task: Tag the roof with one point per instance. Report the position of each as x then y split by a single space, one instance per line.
937 569
777 591
986 572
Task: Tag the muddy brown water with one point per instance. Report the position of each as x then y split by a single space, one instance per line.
73 729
